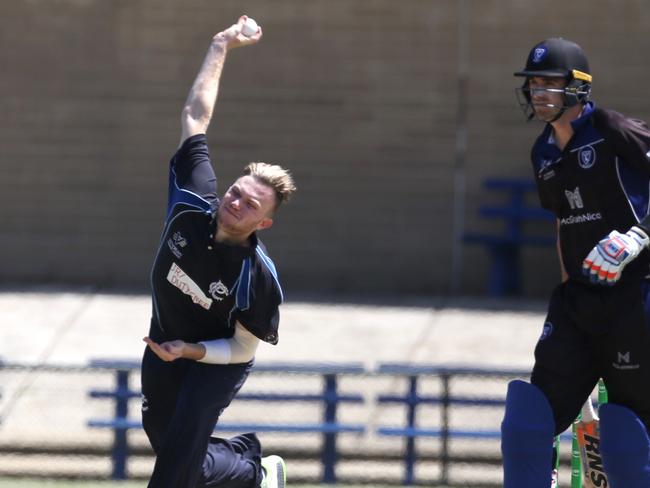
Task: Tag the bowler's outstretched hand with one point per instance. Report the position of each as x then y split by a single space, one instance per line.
167 351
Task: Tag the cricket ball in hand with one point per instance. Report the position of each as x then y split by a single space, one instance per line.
250 27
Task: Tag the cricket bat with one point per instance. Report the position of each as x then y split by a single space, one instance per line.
556 466
588 434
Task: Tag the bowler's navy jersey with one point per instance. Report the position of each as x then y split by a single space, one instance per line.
201 287
600 182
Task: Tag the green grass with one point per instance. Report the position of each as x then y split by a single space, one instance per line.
41 483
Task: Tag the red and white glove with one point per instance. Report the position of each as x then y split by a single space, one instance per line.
606 261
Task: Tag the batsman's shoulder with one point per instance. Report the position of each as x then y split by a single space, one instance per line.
608 119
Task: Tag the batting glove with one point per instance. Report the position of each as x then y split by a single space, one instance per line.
606 261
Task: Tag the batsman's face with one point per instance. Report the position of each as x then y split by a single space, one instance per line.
546 96
246 207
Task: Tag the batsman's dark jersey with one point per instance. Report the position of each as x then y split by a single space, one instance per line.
200 287
600 182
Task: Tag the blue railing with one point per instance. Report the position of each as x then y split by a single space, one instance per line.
331 401
329 428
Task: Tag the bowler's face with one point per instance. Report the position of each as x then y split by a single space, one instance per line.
546 96
246 207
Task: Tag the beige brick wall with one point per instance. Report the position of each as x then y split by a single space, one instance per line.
358 97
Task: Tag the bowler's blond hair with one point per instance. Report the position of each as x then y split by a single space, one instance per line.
274 176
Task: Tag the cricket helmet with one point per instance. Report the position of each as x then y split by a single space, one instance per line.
557 58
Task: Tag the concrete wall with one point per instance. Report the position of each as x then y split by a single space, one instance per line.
358 97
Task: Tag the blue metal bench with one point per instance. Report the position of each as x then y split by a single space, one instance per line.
412 399
329 428
505 248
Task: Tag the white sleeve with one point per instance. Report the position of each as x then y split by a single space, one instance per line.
240 348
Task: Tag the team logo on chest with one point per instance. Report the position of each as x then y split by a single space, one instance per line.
218 290
574 198
576 203
586 157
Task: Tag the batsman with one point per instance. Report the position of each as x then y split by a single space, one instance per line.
592 169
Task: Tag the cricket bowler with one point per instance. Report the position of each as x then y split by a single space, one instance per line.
592 169
215 295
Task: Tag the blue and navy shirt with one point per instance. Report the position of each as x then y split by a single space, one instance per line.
200 288
600 182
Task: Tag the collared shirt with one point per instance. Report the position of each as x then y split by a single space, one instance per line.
598 183
200 288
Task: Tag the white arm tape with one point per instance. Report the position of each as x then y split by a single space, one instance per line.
240 348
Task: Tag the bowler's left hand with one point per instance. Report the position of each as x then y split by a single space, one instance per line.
606 261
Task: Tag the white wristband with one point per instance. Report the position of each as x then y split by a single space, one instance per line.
240 348
216 352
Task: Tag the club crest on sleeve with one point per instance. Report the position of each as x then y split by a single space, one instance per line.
175 243
271 337
586 157
547 330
